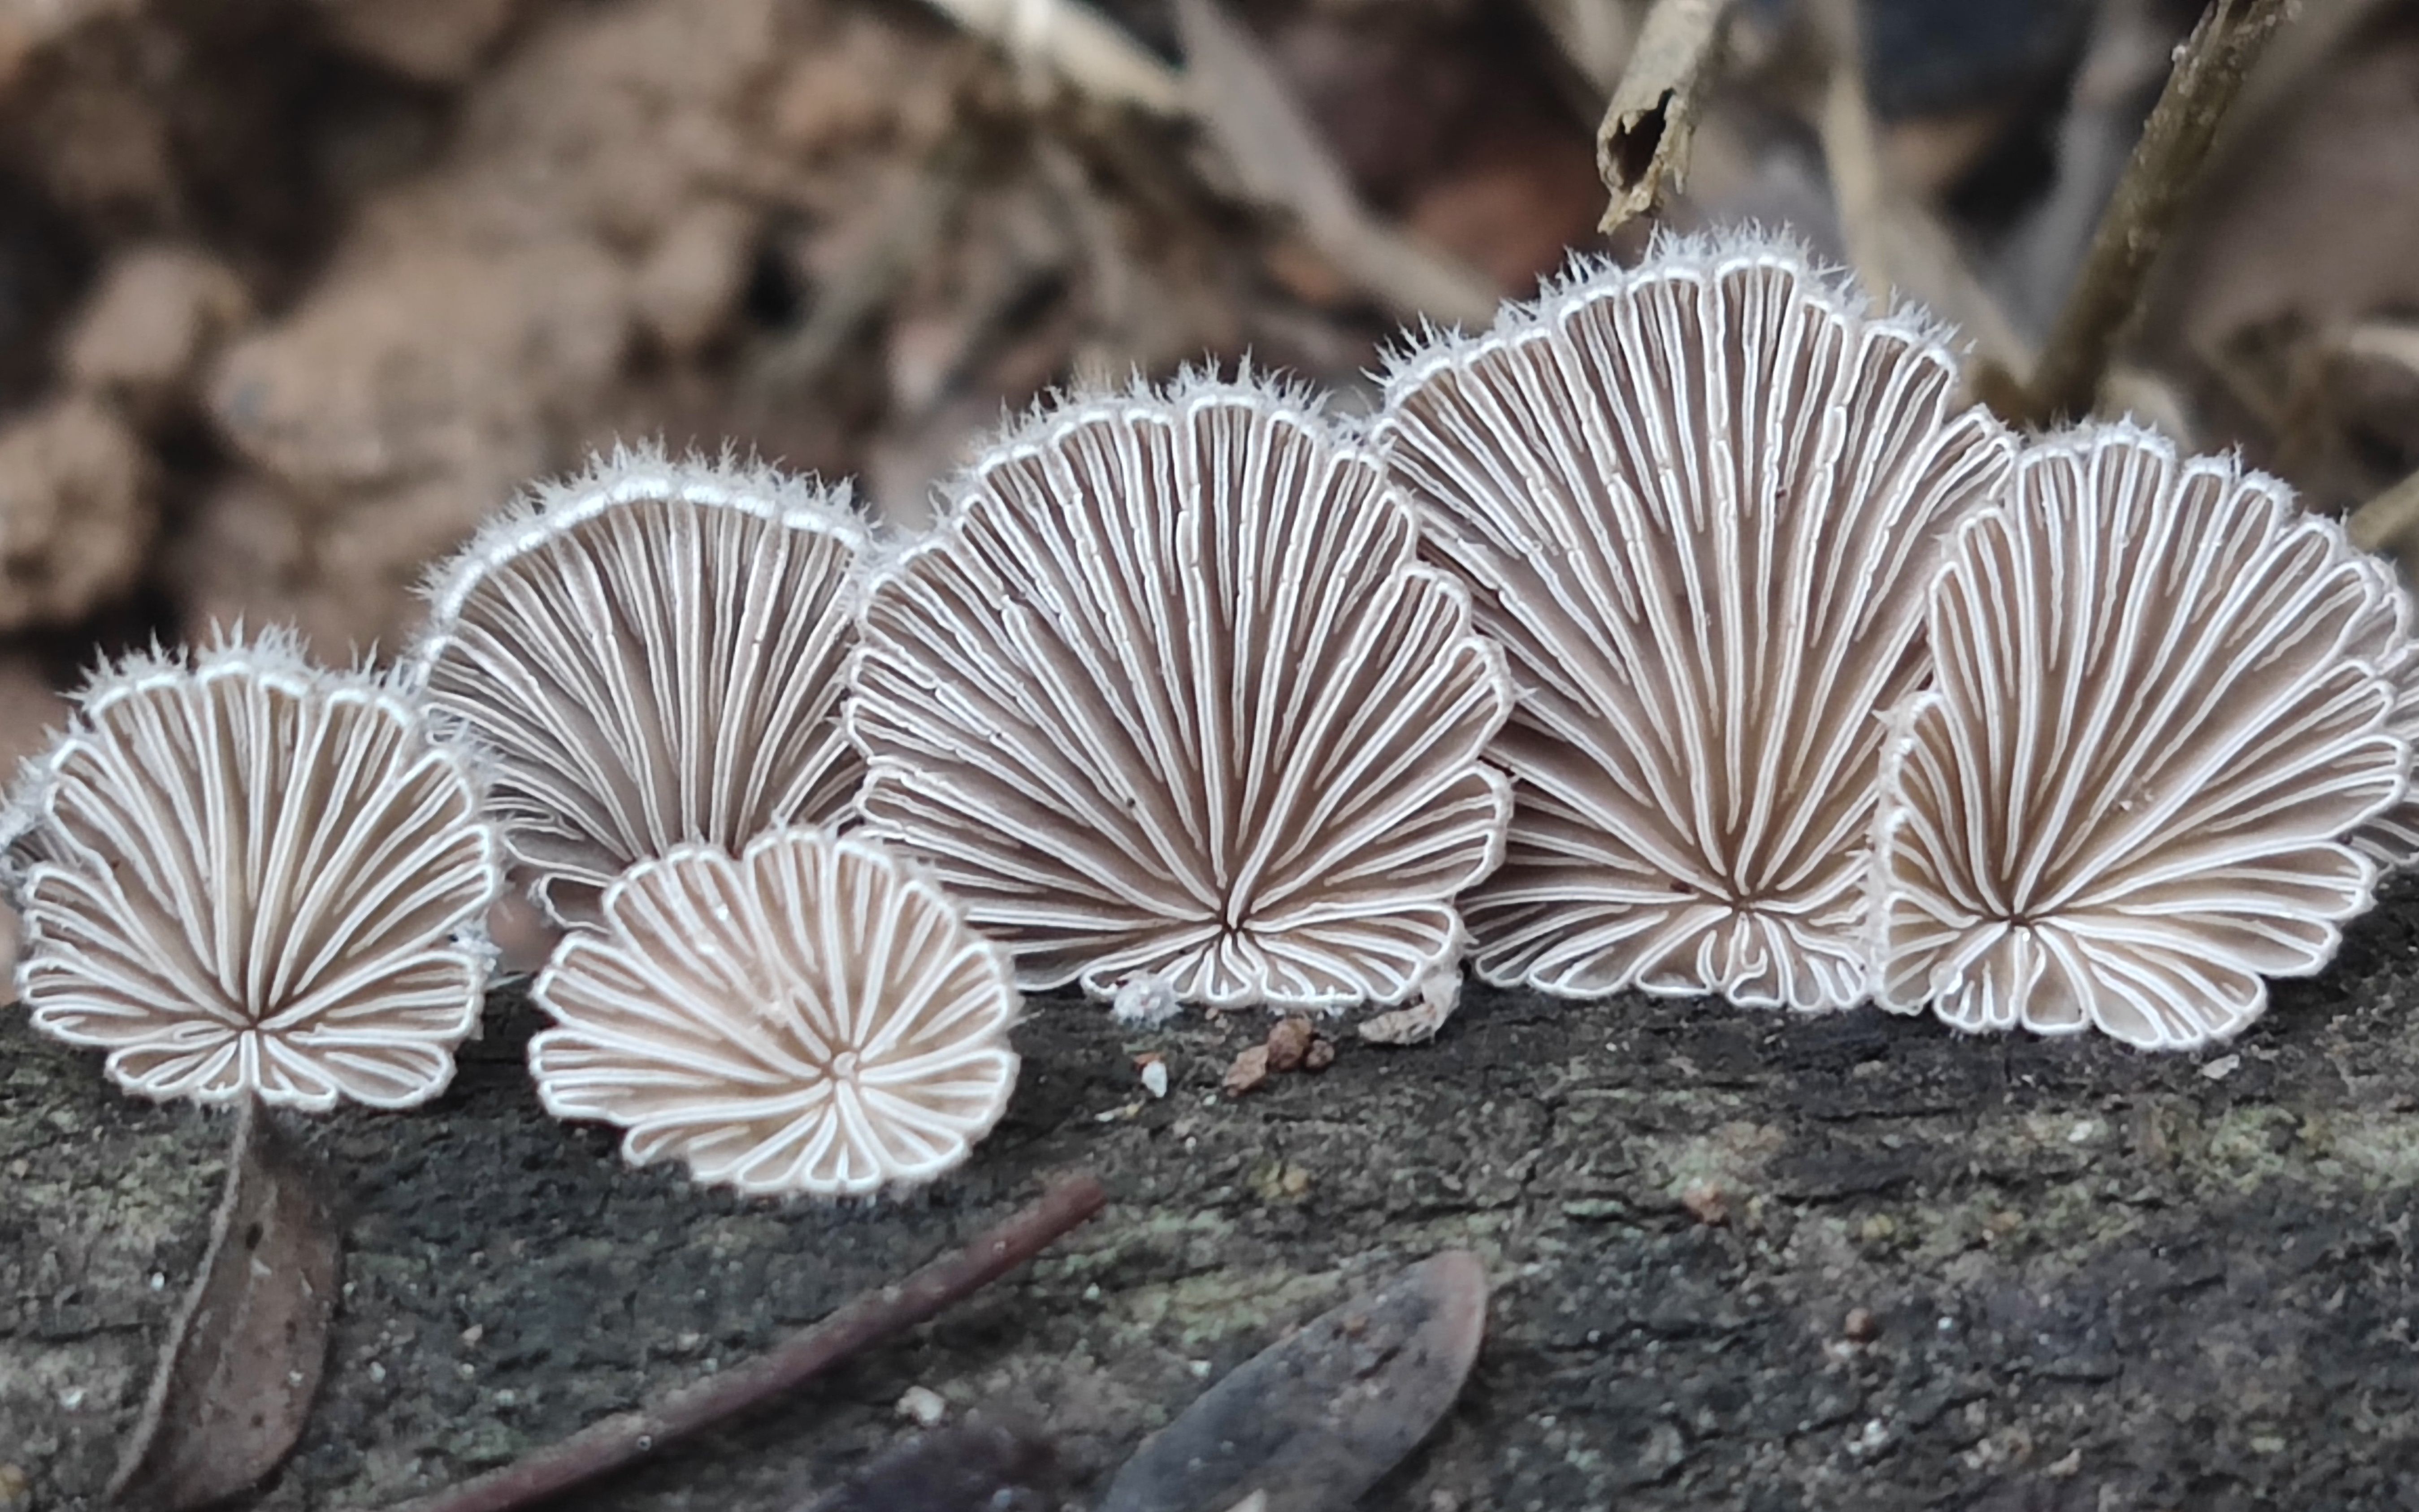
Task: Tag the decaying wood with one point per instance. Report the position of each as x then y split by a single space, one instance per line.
1740 1258
626 1438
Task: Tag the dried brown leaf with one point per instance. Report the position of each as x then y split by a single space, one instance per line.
1313 1421
1644 139
241 1364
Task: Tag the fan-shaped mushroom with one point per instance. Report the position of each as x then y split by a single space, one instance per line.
2158 711
1166 693
808 1016
242 874
652 653
1698 504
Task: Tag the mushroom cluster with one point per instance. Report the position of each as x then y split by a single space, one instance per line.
1686 632
1834 690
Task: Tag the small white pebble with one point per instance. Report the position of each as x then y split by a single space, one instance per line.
1946 1325
1154 1078
159 1282
472 1334
377 1371
1200 1369
72 1398
506 1397
2220 1068
922 1405
1092 1292
2084 1133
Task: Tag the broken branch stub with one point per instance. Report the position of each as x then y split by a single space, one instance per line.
1643 142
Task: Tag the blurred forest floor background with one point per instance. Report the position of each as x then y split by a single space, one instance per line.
294 292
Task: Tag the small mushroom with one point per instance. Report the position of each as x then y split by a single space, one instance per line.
1166 694
1698 504
810 1016
652 653
242 875
2160 708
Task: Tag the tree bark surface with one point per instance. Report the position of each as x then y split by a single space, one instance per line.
2081 1278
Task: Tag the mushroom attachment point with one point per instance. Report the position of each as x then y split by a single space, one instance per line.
1167 693
2159 709
1698 504
810 1016
650 654
243 875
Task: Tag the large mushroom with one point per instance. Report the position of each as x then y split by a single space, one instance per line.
650 654
810 1016
1698 504
242 875
2162 705
1166 696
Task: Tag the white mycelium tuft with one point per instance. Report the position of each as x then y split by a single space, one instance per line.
1167 694
1698 504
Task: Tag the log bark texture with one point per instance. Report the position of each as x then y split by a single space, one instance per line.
2080 1277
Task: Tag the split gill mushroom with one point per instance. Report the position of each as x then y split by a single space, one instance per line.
240 874
650 653
1698 504
2162 706
1166 694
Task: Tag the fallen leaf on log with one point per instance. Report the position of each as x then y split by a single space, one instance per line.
242 1360
1313 1421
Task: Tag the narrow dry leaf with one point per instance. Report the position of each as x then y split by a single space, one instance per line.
242 876
1697 504
808 1016
2158 708
1643 140
1900 249
1283 163
651 654
241 1364
1167 692
1317 1418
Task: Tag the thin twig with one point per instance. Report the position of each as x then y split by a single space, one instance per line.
2158 184
869 1319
